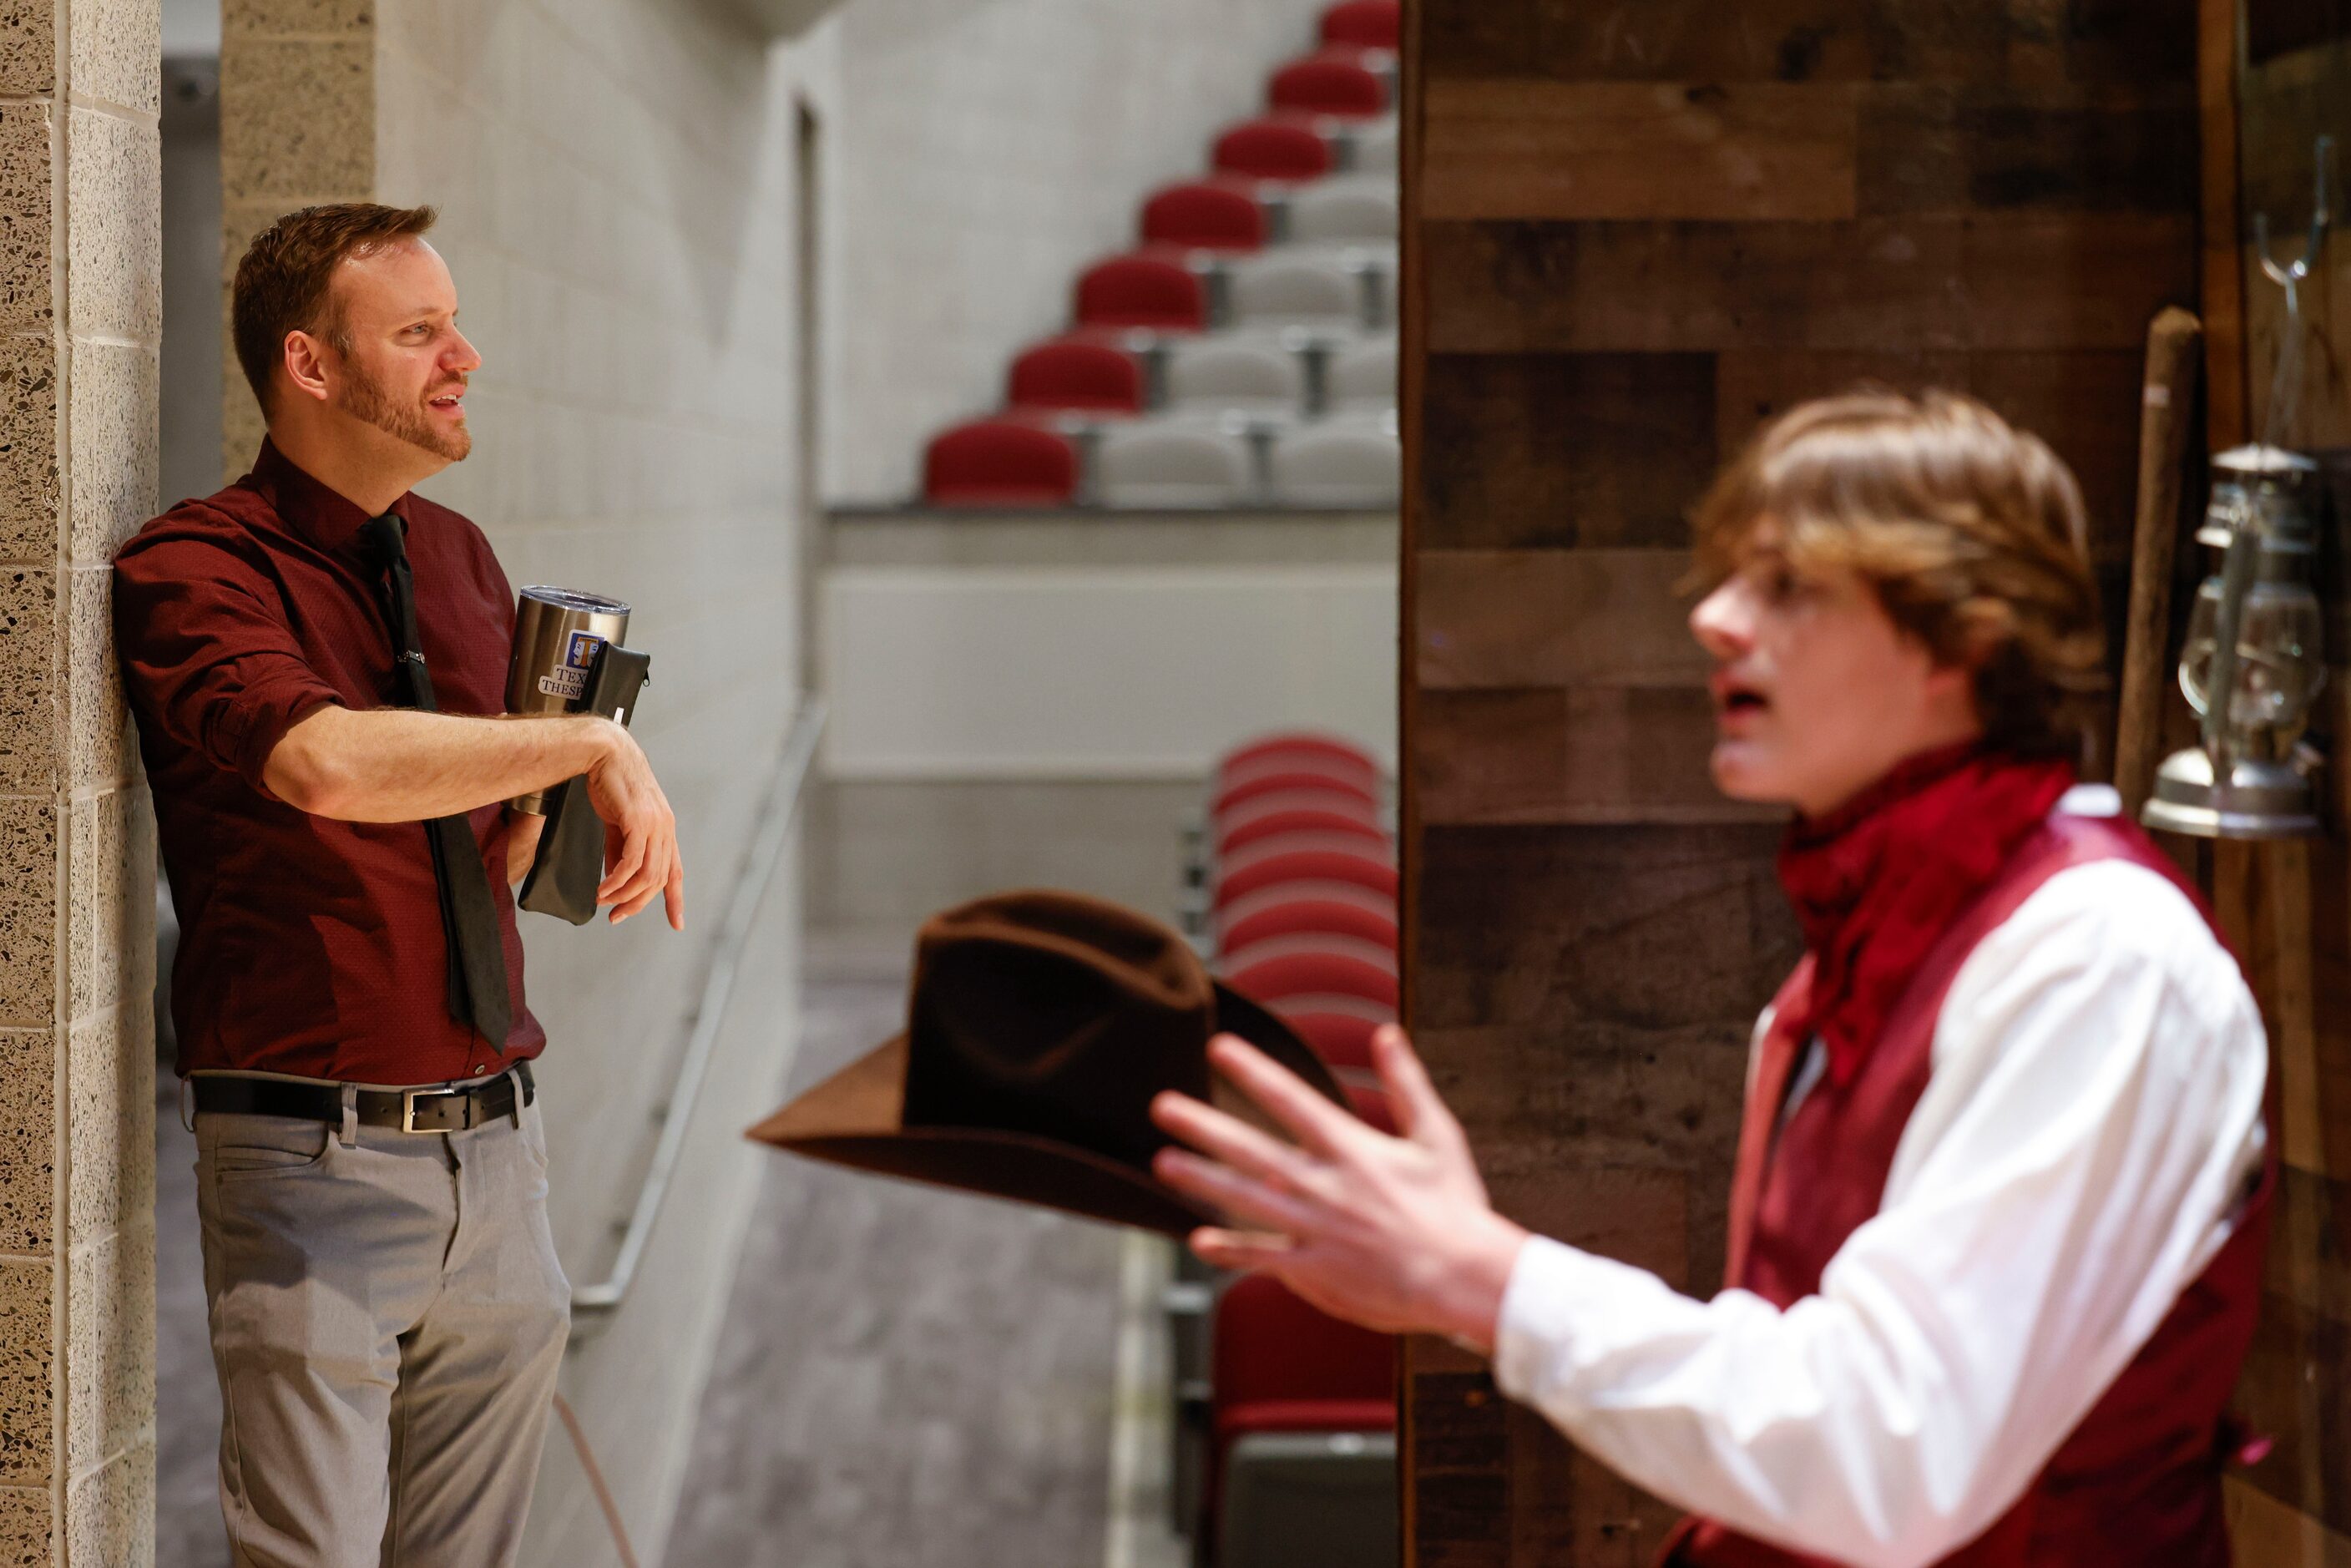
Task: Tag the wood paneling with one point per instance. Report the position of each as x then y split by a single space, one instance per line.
1986 42
1632 233
1962 150
1530 149
1555 451
2032 281
1555 618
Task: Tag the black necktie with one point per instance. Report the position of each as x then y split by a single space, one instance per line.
469 916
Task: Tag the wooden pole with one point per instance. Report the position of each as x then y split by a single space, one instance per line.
2166 404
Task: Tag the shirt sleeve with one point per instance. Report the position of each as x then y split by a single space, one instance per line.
207 658
2078 1157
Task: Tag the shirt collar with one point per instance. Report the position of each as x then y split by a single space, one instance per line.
323 515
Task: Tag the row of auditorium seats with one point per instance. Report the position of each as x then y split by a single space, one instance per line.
1248 337
1284 1443
1173 460
1286 373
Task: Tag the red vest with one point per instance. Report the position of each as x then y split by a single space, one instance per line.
2137 1484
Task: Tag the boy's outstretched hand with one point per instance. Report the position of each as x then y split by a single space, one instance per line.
1394 1233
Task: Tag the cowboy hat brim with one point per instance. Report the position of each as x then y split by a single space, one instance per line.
856 1118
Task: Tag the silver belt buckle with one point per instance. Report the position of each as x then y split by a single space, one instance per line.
408 1099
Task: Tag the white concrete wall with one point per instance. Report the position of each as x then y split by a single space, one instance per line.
1038 701
990 149
616 182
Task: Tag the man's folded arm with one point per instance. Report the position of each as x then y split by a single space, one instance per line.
398 765
2088 1140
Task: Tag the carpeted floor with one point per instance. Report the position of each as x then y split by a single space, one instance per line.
908 1378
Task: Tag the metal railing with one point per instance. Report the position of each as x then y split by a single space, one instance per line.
602 1298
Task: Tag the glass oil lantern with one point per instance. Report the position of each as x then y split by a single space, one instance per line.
2253 665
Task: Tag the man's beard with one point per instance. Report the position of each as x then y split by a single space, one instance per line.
364 399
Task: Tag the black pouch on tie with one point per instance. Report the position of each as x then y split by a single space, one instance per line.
571 862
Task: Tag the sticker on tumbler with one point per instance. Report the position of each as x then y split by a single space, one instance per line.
569 680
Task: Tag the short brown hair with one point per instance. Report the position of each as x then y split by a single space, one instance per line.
1971 532
283 282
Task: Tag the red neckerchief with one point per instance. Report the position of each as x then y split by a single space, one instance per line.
1877 881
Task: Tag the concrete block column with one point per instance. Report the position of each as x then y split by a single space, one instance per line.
80 292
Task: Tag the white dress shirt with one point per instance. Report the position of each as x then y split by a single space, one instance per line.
2093 1121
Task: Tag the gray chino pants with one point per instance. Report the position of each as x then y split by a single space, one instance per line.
388 1316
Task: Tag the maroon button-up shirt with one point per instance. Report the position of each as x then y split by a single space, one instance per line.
306 945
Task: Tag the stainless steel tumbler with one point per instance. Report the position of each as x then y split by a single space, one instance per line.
557 633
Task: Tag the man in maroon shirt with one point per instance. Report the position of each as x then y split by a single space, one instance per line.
316 658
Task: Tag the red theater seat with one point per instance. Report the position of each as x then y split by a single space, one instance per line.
1321 792
1336 82
1305 857
1000 463
1343 1041
1300 748
1280 1365
1205 214
1314 818
1338 908
1369 1102
1274 149
1364 24
1142 290
1312 965
1253 784
1076 375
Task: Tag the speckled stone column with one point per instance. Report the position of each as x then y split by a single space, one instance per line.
80 292
298 127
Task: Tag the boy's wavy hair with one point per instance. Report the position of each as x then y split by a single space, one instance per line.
1971 532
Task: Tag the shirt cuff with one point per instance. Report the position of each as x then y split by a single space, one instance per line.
1554 1288
259 720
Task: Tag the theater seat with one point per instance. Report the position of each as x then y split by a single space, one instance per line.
1337 908
1350 208
1342 1039
1343 83
1312 963
1000 463
1300 750
1337 786
1315 791
1321 287
1174 462
1252 375
1284 776
1373 148
1274 147
1363 376
1308 1500
1353 460
1142 290
1325 815
1205 214
1305 857
1364 24
1281 1367
1076 375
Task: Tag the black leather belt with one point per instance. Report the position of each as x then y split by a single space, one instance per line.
432 1109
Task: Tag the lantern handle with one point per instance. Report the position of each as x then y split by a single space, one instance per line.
2287 384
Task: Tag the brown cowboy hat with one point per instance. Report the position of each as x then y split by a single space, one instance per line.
1038 1027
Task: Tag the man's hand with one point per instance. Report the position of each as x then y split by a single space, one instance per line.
1393 1233
640 854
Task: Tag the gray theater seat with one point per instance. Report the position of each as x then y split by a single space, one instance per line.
1309 1500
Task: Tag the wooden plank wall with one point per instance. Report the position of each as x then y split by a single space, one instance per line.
1632 230
2289 905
